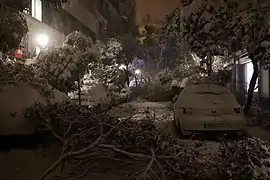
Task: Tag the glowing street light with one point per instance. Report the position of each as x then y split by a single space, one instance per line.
122 67
43 40
138 71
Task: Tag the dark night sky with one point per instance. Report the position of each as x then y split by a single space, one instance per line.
156 8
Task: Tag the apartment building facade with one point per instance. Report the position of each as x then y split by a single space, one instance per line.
244 71
90 17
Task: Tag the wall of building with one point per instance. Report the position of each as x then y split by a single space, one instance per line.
244 73
65 22
81 13
36 28
264 82
154 10
87 16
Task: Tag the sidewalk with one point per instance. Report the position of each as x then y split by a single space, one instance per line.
258 131
261 131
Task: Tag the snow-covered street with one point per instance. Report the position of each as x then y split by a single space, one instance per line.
131 90
161 111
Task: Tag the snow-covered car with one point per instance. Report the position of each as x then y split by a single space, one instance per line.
15 99
207 107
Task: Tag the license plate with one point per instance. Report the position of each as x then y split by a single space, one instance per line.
215 126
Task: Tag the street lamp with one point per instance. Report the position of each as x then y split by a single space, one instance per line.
42 40
137 71
122 67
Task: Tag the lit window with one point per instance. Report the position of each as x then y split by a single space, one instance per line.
37 9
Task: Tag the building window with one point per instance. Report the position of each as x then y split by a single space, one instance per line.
36 9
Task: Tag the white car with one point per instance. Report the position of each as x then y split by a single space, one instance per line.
207 107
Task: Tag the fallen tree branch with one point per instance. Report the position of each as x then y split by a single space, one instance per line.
149 166
131 155
163 176
125 144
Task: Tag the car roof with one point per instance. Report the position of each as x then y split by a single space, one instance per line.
207 87
201 96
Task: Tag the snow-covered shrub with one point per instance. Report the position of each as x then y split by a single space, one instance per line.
110 51
165 76
106 71
13 72
157 92
65 65
248 159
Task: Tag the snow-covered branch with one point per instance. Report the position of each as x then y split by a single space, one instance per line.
62 66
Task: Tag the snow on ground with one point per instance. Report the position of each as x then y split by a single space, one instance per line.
30 164
163 113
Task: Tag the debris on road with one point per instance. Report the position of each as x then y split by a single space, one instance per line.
132 149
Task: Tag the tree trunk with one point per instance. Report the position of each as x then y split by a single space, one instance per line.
234 72
136 80
127 75
209 66
251 86
79 90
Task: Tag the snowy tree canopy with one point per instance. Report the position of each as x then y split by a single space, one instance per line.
130 47
62 66
110 51
213 26
157 48
107 71
200 25
13 26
